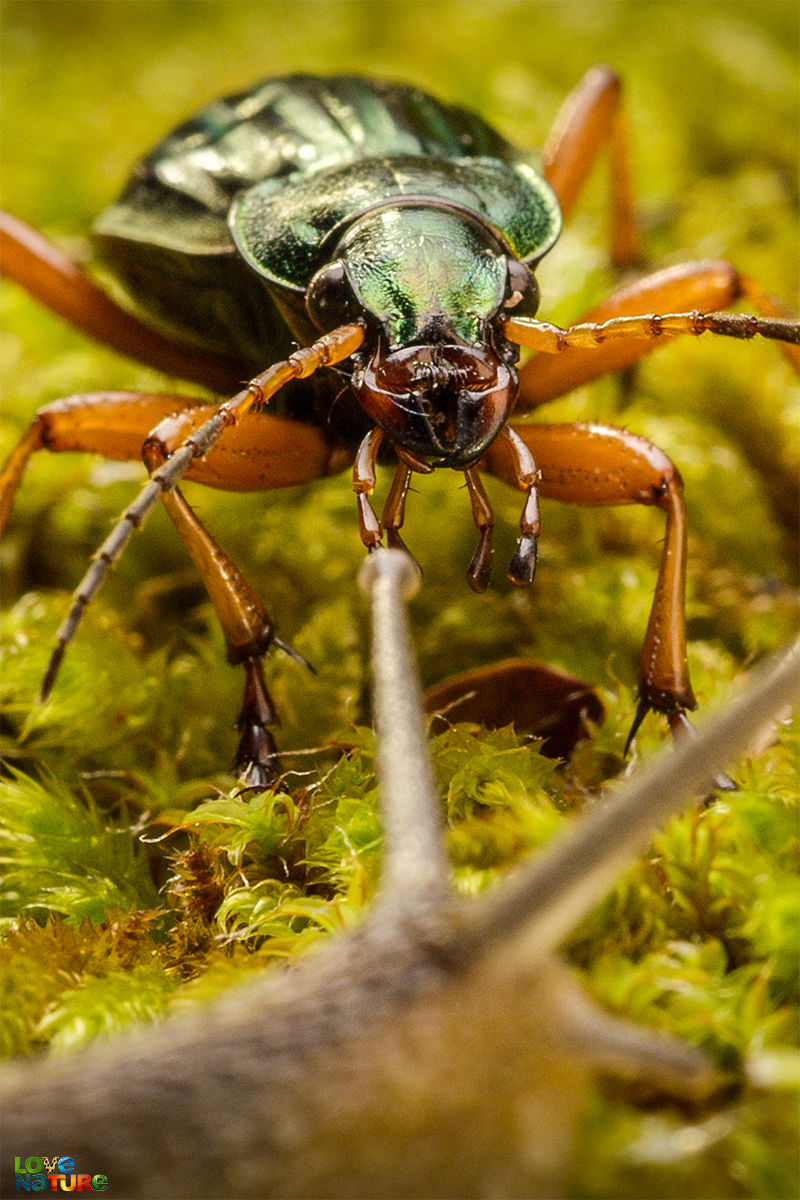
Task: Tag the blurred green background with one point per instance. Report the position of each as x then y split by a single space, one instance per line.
144 708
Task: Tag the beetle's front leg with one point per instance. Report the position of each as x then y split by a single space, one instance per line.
599 464
246 625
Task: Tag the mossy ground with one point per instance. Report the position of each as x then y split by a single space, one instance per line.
135 880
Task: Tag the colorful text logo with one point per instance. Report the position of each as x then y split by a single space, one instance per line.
56 1174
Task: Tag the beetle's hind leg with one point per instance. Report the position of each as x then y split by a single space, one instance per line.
38 265
591 118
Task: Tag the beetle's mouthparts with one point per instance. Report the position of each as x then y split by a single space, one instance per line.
443 402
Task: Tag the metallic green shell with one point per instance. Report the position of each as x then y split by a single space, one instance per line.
290 163
286 233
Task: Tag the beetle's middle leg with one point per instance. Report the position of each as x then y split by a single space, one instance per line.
598 465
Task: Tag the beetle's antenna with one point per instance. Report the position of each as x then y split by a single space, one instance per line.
334 347
551 339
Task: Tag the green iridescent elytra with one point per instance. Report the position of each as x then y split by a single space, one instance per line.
222 227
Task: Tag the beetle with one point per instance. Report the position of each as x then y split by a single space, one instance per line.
393 239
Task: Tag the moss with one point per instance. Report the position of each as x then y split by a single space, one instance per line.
136 878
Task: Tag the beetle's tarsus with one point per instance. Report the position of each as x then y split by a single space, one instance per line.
258 759
522 567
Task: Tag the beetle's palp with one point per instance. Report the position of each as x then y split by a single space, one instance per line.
480 568
332 348
394 509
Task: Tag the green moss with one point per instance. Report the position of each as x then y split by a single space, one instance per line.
120 806
62 855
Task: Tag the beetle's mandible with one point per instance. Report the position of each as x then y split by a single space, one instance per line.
393 239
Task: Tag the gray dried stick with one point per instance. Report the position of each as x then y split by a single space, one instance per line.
439 1051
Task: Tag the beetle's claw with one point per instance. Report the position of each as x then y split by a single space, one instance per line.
258 760
260 775
295 654
681 726
522 567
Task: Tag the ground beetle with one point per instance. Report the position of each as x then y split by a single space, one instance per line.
393 238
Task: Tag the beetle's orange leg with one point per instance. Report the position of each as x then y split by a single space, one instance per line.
614 334
48 274
256 454
591 118
598 464
245 622
248 634
262 452
113 424
205 433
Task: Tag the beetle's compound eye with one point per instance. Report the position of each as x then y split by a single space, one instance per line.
523 290
330 301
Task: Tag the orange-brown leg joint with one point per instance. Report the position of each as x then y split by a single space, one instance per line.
258 453
598 464
113 424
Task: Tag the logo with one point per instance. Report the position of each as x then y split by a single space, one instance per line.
56 1174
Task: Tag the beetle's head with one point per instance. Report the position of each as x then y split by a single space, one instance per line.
435 373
